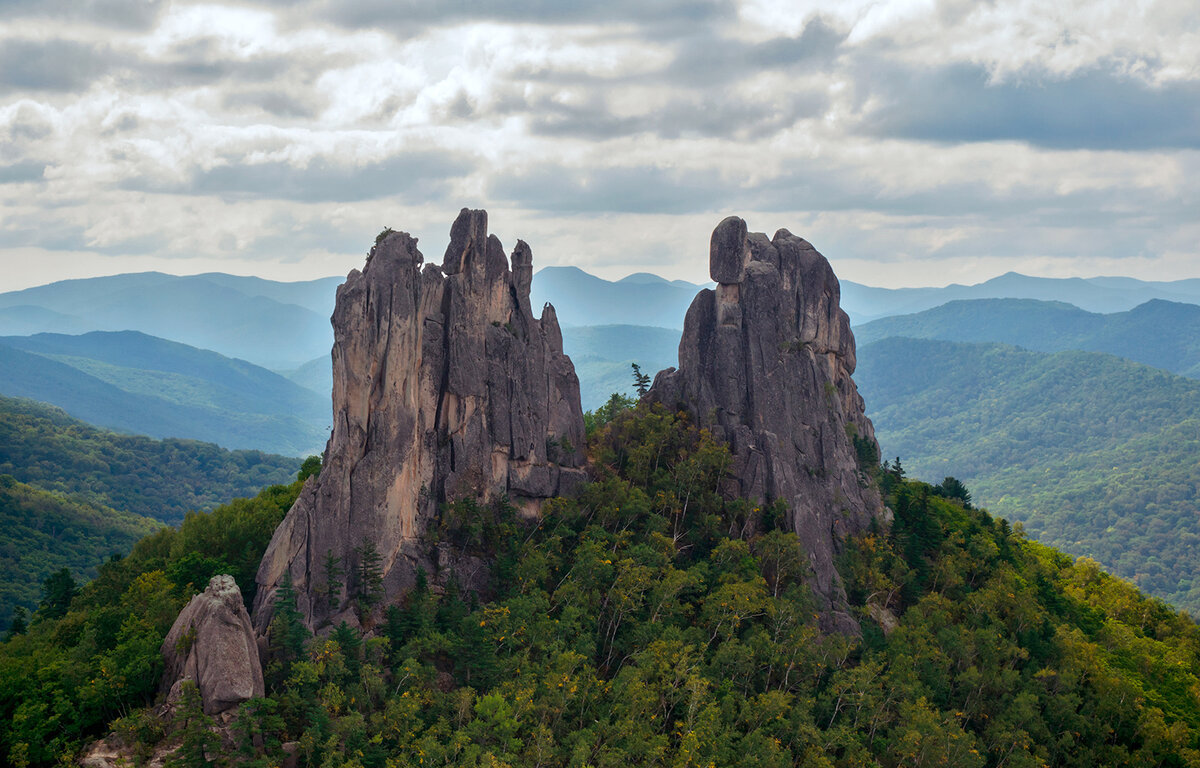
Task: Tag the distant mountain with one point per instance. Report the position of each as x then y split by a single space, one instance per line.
1098 294
582 299
1160 333
316 376
273 324
42 532
602 356
1095 455
162 479
136 383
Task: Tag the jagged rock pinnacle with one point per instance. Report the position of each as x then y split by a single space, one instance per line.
765 362
444 386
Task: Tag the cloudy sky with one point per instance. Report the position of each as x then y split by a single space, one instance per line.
913 142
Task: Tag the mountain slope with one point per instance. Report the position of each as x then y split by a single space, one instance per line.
137 383
1159 333
275 325
44 447
1095 455
41 532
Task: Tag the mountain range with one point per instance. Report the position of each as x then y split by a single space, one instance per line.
1160 333
132 382
1097 294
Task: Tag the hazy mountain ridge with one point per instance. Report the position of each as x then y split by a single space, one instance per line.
131 382
865 303
275 325
603 355
1094 454
1159 333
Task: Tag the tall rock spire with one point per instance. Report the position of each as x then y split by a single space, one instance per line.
765 363
445 386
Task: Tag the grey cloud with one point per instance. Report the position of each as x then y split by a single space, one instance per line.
53 65
1097 109
125 14
553 189
722 115
19 173
409 17
413 175
277 102
707 59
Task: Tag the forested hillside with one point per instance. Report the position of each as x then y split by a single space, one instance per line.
1160 333
43 533
162 479
646 622
1093 454
136 383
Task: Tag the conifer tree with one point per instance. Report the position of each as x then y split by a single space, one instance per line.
333 585
369 577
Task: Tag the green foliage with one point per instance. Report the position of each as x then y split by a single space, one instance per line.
641 381
594 420
1092 454
91 657
45 533
650 621
162 479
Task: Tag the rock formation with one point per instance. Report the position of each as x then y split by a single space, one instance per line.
212 643
765 363
445 386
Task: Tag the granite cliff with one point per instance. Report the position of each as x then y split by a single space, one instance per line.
445 386
765 363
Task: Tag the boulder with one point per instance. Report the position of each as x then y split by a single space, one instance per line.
765 363
212 643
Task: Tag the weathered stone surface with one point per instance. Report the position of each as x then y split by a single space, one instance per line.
213 644
444 386
766 362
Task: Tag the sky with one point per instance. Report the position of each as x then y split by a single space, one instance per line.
913 142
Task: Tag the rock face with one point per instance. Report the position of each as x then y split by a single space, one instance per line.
445 386
765 363
213 644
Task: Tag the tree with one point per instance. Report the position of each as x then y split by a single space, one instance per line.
59 589
198 736
19 625
641 381
369 577
333 585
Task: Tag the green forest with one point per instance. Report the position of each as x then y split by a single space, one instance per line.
645 622
1093 454
46 532
162 479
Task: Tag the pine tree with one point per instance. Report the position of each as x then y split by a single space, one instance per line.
333 585
19 624
369 577
198 737
641 381
60 589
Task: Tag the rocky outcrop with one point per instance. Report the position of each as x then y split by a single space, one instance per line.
445 386
765 363
212 643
